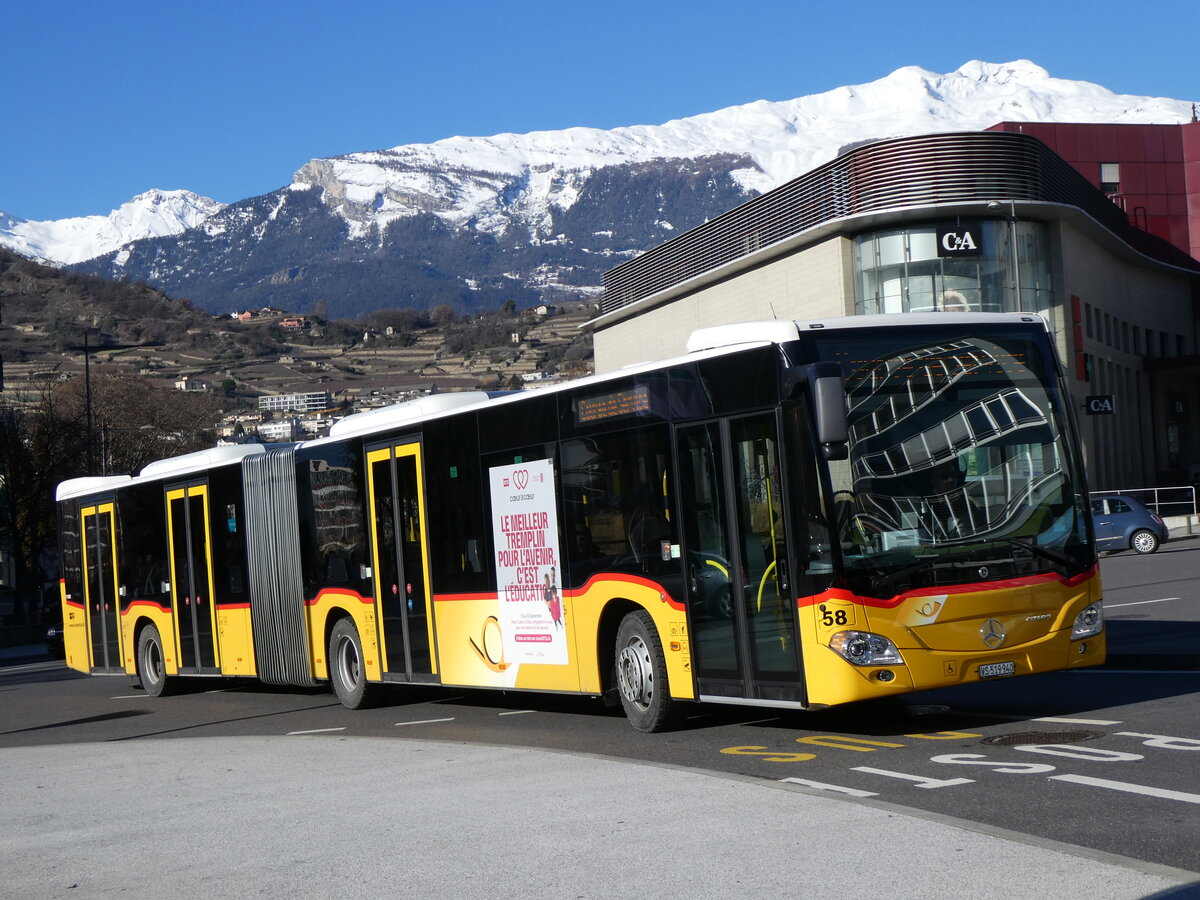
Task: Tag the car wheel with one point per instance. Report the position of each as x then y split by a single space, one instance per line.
1144 541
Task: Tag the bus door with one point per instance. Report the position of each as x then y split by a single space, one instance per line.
742 624
191 580
399 561
101 596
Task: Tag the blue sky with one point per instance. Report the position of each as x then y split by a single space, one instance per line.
228 99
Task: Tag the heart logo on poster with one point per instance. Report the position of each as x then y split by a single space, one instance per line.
521 478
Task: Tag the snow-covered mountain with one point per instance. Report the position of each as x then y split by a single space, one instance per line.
63 241
496 182
475 221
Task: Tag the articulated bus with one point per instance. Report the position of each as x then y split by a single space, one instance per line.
791 515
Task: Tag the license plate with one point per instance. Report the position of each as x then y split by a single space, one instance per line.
997 670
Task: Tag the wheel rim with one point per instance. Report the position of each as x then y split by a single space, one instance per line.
635 673
152 662
349 667
1143 542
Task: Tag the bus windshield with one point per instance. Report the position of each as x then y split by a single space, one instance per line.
959 466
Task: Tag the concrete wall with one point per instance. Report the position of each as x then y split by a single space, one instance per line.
1129 448
812 283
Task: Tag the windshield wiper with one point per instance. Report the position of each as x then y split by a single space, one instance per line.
1039 550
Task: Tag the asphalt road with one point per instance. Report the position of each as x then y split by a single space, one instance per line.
1107 759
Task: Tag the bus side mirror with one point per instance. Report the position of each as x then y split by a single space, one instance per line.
829 404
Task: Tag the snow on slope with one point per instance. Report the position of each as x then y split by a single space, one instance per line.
64 241
463 178
515 180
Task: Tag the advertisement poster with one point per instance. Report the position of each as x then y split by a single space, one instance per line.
528 576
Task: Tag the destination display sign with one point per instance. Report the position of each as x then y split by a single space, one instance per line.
630 402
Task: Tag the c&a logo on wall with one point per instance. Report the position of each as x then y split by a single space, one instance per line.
962 238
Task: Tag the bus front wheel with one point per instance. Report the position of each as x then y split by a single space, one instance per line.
641 674
346 669
151 670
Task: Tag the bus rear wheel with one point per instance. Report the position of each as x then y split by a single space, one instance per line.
151 670
346 669
641 674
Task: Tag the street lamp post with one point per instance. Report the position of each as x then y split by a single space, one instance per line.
87 352
1012 242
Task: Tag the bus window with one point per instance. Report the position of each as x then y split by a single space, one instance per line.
616 503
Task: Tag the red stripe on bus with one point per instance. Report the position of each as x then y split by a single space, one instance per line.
150 603
338 592
598 579
947 590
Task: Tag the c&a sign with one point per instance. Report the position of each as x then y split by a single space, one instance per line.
961 238
1099 404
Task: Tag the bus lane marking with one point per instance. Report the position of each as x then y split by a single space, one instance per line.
317 731
425 721
1164 741
1073 751
1126 787
920 780
1139 602
838 742
862 745
834 788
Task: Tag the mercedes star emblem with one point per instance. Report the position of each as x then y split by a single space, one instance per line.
992 633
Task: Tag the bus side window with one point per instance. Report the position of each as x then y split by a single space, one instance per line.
616 503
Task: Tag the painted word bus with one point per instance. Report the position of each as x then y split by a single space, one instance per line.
794 514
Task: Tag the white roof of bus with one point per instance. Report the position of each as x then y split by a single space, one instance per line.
77 487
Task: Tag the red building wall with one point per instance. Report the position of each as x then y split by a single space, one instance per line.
1159 185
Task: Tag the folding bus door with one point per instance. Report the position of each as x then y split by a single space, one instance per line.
191 580
743 624
400 562
101 595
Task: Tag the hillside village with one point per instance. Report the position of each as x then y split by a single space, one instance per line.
301 390
274 374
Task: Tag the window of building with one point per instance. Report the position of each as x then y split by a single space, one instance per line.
1137 340
1087 318
1110 177
900 271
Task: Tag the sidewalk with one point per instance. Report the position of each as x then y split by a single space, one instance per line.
328 816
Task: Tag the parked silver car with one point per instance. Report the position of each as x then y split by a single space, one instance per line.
1123 523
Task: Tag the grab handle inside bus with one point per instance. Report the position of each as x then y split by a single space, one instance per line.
829 405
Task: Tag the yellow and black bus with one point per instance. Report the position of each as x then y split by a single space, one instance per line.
793 514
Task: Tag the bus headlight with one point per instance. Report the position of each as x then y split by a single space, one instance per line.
1088 622
864 648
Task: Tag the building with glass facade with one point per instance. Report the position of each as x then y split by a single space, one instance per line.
992 221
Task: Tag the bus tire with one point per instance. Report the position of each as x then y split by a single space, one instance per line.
641 674
346 668
151 668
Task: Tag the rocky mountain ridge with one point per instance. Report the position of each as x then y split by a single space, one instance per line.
475 222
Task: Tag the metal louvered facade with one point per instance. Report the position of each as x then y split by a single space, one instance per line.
889 175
